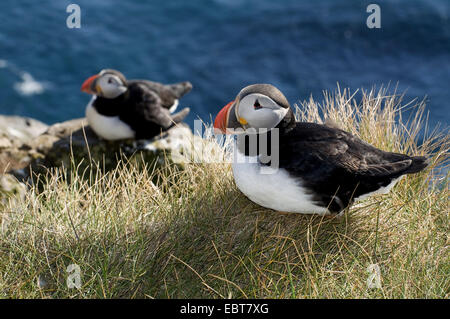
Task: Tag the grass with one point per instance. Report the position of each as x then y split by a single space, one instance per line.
192 234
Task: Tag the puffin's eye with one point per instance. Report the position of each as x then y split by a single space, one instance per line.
110 80
257 106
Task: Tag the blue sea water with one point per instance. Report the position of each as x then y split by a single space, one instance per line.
303 47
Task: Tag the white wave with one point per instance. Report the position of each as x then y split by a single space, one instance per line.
28 85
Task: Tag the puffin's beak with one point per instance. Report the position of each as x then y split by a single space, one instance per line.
89 85
226 121
222 119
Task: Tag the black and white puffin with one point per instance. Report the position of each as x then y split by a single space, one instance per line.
139 109
321 169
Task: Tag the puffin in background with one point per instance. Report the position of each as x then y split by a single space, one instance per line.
321 170
139 109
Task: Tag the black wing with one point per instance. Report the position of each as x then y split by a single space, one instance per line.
334 163
145 112
167 93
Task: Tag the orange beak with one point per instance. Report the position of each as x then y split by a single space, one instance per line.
88 85
221 121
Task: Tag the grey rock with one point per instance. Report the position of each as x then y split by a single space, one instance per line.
74 144
15 133
21 129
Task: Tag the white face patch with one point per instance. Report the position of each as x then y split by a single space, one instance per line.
260 111
111 86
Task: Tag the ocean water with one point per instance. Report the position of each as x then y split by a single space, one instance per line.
302 47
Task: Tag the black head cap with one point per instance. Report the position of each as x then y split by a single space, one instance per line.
267 90
114 72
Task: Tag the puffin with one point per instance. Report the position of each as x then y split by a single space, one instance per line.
139 109
320 169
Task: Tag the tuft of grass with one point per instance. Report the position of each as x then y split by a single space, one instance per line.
137 232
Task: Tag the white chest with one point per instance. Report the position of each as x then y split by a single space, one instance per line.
277 190
107 127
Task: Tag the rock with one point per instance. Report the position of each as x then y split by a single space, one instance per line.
66 128
20 129
5 142
74 144
15 132
12 158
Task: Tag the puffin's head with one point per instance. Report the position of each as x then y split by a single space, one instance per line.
108 84
258 106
